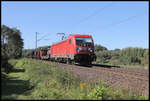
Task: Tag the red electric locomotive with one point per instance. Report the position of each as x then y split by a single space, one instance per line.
75 49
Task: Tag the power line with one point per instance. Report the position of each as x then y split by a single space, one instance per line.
46 39
93 14
42 37
96 12
121 21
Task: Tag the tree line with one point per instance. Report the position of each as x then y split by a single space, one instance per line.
125 56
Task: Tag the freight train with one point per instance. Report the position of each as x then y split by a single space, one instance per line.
76 49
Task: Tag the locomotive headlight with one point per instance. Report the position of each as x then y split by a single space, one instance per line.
90 49
79 49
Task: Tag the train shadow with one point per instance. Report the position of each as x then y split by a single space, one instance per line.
105 66
18 70
81 65
97 65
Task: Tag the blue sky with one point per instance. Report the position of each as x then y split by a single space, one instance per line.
112 24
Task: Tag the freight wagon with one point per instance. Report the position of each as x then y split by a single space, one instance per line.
43 54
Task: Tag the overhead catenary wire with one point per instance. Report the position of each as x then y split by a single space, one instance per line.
110 25
92 15
121 21
42 37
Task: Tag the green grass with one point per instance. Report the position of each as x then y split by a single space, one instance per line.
37 80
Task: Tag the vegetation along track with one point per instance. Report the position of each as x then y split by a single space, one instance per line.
133 80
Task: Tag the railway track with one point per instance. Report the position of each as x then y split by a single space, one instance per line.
132 72
121 71
132 79
141 74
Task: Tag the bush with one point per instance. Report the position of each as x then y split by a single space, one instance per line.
5 66
97 93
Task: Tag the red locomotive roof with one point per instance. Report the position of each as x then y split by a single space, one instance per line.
79 35
75 35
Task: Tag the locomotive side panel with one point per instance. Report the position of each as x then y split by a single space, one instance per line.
63 50
70 48
58 50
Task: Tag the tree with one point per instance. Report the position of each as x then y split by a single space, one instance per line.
14 43
100 48
126 56
146 53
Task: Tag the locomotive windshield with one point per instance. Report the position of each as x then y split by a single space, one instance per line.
83 41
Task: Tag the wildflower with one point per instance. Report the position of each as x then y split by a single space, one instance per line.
82 85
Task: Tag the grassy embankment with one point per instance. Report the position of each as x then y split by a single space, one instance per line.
32 79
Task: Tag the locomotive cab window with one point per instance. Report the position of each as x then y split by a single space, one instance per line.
83 41
70 41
